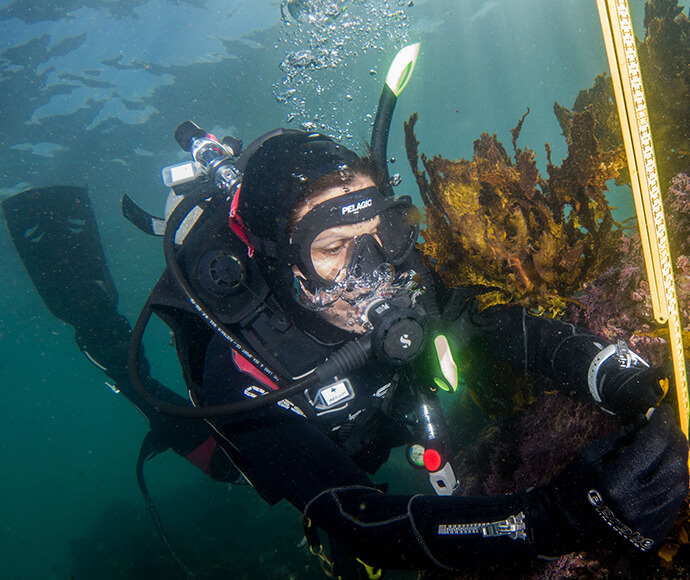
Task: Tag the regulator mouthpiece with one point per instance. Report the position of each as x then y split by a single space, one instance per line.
399 329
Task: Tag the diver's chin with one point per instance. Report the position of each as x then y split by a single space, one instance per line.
344 316
344 304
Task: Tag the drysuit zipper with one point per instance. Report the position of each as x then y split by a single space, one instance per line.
513 527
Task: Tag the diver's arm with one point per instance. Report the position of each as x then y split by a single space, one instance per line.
300 463
448 532
580 363
603 499
424 532
289 453
285 453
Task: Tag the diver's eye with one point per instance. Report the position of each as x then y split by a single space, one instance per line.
333 249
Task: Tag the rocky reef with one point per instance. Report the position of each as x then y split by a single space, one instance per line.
550 243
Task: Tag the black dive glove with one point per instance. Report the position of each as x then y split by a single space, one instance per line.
632 392
627 488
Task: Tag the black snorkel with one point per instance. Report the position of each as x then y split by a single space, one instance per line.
393 327
397 78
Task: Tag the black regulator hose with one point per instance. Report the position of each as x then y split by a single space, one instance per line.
352 355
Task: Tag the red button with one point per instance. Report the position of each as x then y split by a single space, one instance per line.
432 460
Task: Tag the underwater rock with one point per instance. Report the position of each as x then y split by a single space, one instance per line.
618 304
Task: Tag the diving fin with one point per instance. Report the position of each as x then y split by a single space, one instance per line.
55 233
56 236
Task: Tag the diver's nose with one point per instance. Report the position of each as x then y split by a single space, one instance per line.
368 256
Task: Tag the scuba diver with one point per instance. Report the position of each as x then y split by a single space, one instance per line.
309 348
313 338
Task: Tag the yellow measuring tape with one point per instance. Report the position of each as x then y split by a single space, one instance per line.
619 39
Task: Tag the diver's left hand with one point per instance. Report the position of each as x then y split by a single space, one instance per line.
629 486
630 393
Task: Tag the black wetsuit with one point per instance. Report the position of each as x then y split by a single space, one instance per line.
318 462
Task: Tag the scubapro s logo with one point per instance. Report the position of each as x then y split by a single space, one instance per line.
405 341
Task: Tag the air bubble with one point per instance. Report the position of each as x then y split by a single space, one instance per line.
395 179
322 39
285 96
345 173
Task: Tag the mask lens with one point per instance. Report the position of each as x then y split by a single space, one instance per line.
397 232
332 250
359 248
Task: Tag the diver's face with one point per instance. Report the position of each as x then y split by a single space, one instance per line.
332 250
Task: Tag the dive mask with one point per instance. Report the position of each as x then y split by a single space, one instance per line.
361 230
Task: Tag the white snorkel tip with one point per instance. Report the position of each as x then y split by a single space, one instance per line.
401 68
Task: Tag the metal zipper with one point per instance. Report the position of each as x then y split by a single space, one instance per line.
514 527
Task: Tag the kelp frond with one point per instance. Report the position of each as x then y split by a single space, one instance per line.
495 221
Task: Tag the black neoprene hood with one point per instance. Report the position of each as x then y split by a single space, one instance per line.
277 173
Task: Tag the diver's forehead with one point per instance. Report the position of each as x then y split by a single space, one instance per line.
357 183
